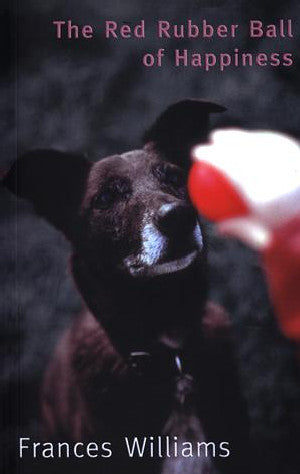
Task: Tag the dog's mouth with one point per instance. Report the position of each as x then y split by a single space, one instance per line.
137 269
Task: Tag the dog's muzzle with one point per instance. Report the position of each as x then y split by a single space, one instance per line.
170 242
174 219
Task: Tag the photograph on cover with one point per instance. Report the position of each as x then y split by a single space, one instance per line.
150 255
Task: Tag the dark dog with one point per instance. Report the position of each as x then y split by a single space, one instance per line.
149 358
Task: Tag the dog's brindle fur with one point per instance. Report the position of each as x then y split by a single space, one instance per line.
139 262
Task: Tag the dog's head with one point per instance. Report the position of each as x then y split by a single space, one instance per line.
127 213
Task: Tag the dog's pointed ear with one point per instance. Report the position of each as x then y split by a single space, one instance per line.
54 182
180 127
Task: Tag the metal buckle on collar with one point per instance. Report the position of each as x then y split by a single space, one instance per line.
139 361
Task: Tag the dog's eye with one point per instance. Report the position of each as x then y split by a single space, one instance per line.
104 199
169 175
174 177
113 191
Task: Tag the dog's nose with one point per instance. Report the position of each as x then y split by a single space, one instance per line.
175 218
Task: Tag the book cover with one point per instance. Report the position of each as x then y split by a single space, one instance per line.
135 338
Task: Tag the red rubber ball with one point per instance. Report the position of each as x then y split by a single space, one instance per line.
212 193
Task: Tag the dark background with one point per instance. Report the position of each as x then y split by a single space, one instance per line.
94 96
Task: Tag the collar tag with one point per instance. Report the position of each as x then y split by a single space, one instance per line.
178 363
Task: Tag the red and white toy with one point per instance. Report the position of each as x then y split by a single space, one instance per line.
248 182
